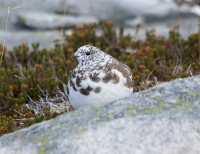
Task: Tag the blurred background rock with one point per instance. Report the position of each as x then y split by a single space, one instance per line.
40 21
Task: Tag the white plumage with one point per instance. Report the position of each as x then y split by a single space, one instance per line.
98 78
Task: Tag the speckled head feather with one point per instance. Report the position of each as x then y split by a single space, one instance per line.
89 55
98 78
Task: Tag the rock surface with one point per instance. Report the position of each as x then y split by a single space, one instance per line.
47 20
162 119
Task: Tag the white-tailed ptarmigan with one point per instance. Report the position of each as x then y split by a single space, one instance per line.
98 78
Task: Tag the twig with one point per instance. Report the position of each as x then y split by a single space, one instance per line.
20 113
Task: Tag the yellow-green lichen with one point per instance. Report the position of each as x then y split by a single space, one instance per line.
130 106
98 114
186 101
140 107
152 110
36 140
92 110
46 141
100 107
77 126
55 123
161 104
90 121
178 100
189 91
111 116
62 127
194 94
120 128
189 107
41 151
157 97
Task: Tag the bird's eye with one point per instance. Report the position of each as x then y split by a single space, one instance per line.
87 53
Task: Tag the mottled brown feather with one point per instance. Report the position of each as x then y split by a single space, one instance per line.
115 77
89 88
97 90
72 85
84 92
107 78
94 77
78 81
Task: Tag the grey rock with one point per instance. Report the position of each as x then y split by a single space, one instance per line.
188 26
101 9
47 20
162 119
45 38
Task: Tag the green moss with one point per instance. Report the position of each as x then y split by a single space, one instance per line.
111 116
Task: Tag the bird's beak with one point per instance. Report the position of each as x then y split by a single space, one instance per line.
75 56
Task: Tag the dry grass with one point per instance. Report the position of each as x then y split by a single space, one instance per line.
6 31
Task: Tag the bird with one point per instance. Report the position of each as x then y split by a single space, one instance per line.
98 78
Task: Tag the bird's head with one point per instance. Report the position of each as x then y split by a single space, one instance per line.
90 55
